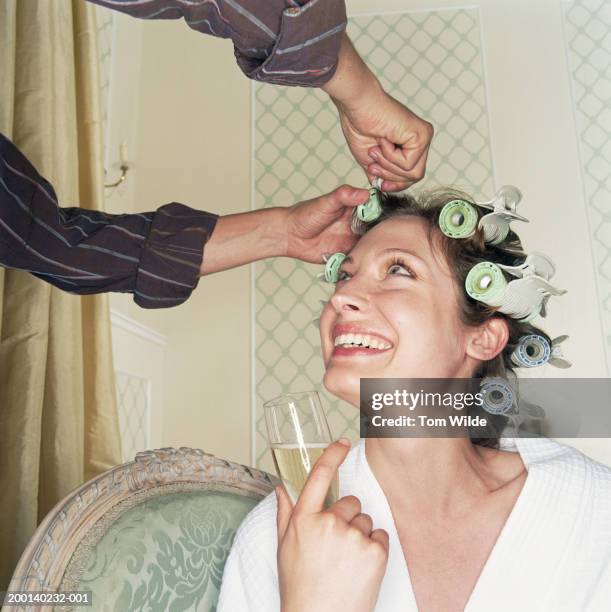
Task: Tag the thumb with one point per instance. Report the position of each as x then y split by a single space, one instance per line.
346 195
285 508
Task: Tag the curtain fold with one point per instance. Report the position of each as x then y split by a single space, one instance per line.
58 415
7 70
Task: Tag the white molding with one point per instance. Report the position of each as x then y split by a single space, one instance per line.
431 9
122 321
253 289
488 97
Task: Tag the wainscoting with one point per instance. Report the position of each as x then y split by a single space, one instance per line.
139 357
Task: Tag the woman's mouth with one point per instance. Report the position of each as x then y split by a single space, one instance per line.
353 344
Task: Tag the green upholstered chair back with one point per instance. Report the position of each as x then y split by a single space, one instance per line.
152 534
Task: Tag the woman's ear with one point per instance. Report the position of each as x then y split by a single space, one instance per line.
488 339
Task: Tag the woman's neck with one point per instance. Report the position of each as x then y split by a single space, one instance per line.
444 476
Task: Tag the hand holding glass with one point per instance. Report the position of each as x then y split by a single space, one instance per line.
298 434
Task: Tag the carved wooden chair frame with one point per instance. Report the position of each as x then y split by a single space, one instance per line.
56 555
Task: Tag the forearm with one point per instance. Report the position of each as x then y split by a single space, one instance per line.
154 255
352 81
243 238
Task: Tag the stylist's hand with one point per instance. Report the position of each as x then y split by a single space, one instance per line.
321 225
387 139
328 560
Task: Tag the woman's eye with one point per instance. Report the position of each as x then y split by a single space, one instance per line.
399 269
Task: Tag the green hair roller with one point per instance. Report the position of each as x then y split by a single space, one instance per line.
332 267
486 283
372 209
458 219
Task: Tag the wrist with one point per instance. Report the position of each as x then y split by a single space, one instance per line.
243 238
274 232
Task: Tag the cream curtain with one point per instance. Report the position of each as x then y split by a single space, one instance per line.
58 416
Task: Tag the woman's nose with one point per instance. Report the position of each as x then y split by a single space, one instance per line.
348 300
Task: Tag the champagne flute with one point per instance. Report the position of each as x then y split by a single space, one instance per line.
298 433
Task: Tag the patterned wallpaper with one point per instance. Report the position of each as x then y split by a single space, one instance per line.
587 26
433 62
133 405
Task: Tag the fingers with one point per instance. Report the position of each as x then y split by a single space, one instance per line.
420 167
312 497
363 523
347 508
346 195
398 163
392 186
388 184
331 206
285 508
404 163
382 160
404 156
394 178
381 537
375 171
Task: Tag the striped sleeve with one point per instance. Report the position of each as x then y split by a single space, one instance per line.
287 42
156 256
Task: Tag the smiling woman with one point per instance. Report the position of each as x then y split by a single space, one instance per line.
432 524
405 280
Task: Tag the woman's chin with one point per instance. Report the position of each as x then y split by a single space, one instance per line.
343 385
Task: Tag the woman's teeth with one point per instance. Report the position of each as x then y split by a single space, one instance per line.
361 340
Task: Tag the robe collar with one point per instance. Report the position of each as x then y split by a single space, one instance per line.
519 564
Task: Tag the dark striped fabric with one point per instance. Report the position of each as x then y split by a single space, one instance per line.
156 255
288 42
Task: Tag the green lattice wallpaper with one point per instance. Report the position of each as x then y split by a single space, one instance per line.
588 39
430 60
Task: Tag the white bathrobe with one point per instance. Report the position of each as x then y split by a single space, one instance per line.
553 554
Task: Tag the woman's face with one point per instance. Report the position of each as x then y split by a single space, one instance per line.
396 295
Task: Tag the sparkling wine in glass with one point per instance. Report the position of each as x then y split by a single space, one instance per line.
298 433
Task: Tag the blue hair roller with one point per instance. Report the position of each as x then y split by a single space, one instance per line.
498 396
532 351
